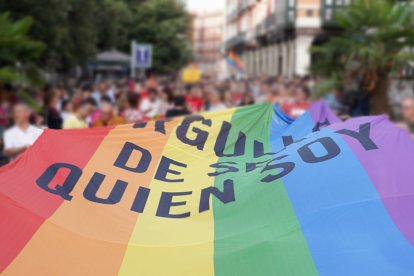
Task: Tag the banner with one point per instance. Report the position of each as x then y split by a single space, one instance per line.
245 191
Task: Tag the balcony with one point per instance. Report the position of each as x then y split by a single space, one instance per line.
235 40
231 16
245 5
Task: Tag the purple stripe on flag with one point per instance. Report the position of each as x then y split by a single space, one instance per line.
389 168
321 110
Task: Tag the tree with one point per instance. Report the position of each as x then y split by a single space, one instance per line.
112 21
74 31
165 24
17 51
373 46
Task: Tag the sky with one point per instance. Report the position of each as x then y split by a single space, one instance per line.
205 5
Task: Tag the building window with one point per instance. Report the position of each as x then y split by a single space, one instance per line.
309 13
328 14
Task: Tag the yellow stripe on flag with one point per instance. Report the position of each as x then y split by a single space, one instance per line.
178 246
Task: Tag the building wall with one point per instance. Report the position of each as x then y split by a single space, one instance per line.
273 37
208 39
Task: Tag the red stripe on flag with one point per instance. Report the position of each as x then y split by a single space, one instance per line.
23 205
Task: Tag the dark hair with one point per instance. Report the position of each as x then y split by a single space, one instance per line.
133 99
169 92
65 104
106 99
179 101
152 91
88 101
306 90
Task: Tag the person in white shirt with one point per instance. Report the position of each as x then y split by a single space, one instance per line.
104 90
151 106
215 102
22 135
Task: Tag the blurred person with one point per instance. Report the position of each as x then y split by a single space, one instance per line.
255 88
166 98
247 99
107 116
282 96
215 101
97 112
22 134
67 109
228 100
103 90
152 104
301 103
4 109
78 119
265 94
3 158
122 103
194 99
179 108
132 114
334 101
4 123
407 110
53 117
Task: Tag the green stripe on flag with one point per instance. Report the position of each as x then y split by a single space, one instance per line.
258 234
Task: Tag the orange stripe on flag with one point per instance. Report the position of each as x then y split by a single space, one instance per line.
86 238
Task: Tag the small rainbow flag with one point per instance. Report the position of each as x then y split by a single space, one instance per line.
245 191
234 60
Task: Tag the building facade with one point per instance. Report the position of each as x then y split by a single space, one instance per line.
207 39
273 37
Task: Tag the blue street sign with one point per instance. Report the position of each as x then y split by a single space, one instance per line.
142 56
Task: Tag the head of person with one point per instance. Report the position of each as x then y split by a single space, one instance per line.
407 110
133 100
152 94
248 99
51 98
302 93
264 88
86 108
339 91
21 114
195 91
228 99
282 91
103 87
106 112
214 97
67 106
179 101
166 95
105 99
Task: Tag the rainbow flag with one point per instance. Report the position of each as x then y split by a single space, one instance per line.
245 191
234 60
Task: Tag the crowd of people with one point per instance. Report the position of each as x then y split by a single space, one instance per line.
110 103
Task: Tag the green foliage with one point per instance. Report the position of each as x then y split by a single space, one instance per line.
374 43
17 51
113 17
74 31
163 23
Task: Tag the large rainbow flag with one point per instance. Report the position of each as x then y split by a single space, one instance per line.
245 191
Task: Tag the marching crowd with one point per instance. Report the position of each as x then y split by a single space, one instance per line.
110 103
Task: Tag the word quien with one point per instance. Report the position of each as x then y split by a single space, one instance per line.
172 171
